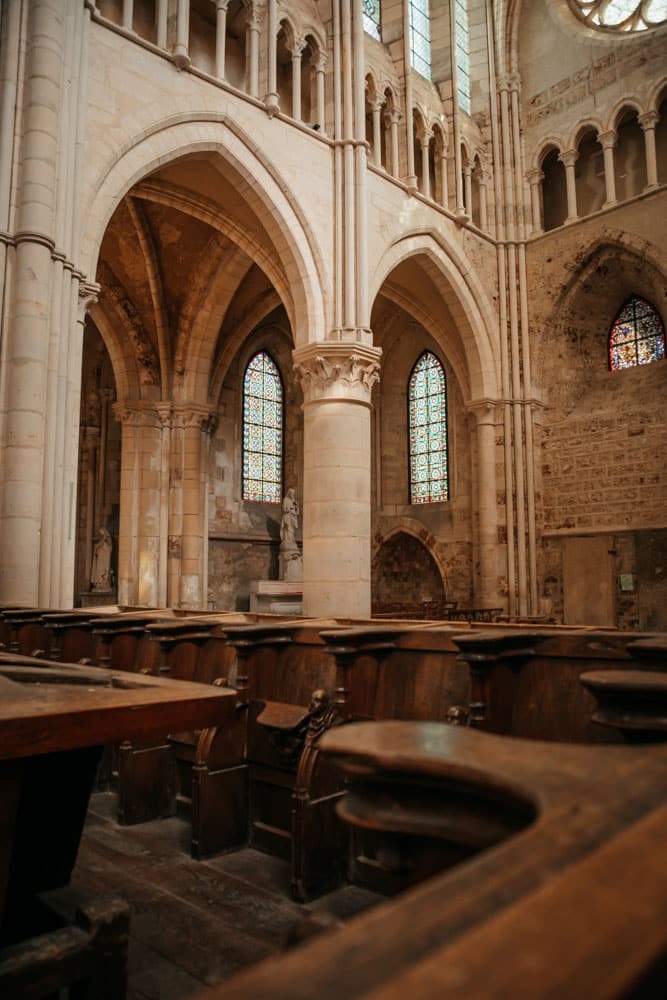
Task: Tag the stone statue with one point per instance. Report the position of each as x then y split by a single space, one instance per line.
290 521
291 567
100 572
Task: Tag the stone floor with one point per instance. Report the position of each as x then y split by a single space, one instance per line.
194 923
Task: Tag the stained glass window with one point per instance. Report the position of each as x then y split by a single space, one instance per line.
420 37
262 430
462 54
372 18
621 15
637 335
427 427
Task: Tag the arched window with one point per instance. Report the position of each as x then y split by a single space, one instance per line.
372 18
637 335
262 430
621 15
420 36
427 425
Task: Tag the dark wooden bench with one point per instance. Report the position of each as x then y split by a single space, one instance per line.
561 895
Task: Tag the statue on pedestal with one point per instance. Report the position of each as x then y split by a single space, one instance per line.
100 572
291 567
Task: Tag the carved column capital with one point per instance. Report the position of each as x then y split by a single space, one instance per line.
297 47
483 410
319 63
194 415
255 11
330 370
137 413
89 292
608 139
568 157
649 120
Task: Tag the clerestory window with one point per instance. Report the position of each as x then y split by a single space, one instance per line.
372 13
462 54
262 430
420 37
427 429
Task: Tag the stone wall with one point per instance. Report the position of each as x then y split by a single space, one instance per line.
603 462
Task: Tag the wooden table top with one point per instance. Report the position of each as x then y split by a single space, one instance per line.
46 706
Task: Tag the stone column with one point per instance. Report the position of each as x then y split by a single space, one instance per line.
467 188
90 446
220 37
254 26
320 67
161 23
568 158
608 140
424 138
376 108
444 179
337 379
393 118
192 426
25 352
483 181
271 102
180 52
296 53
535 178
487 528
140 502
411 179
128 14
648 123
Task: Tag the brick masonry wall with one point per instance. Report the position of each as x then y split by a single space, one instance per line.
603 455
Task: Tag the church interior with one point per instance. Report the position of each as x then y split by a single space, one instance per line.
333 479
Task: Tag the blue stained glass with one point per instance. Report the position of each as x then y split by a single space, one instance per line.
637 335
427 419
262 430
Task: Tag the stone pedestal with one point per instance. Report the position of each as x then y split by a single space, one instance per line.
277 597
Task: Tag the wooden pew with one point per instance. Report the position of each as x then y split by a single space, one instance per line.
279 666
562 894
54 720
25 632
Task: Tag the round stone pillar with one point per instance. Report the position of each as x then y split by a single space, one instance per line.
486 589
337 379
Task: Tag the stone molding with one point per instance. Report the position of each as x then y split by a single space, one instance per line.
337 371
144 413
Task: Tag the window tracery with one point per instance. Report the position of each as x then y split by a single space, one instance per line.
637 335
262 430
621 15
427 428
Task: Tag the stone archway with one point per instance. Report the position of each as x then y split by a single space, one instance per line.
404 573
